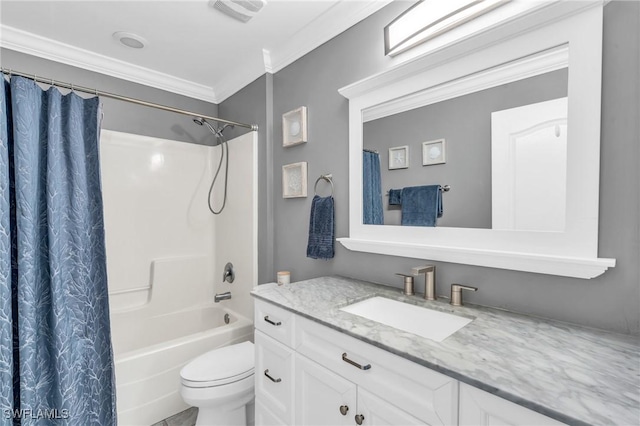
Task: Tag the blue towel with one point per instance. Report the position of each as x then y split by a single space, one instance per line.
321 229
421 205
395 197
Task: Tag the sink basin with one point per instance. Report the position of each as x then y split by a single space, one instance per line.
425 322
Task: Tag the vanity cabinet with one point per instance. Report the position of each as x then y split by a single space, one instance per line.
310 374
480 408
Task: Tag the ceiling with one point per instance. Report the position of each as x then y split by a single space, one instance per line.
192 49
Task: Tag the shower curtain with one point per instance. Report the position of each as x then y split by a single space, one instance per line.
56 362
371 189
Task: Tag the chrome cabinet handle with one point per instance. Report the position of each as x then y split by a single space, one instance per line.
266 318
266 373
344 409
359 419
355 364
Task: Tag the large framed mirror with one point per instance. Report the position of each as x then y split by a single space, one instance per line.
509 123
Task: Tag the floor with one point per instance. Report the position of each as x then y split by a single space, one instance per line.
185 418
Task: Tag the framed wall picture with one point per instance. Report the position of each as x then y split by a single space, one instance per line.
294 180
294 127
433 152
399 157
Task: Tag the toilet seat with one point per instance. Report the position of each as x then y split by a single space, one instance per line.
220 366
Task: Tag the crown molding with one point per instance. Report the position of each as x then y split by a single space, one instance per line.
334 21
42 47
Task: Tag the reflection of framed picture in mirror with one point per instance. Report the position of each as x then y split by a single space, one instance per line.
433 152
294 180
294 127
399 157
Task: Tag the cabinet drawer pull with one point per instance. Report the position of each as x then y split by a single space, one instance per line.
266 318
344 409
355 364
266 373
359 419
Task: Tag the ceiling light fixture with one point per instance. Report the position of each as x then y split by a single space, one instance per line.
430 18
131 40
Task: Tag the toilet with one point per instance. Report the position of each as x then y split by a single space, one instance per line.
220 384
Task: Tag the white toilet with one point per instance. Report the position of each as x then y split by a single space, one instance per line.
220 384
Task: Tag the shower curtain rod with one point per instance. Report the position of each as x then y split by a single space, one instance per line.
97 92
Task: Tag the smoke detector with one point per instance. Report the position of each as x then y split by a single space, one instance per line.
242 10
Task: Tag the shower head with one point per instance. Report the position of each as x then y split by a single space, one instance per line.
217 132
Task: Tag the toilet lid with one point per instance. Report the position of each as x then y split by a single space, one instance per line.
221 366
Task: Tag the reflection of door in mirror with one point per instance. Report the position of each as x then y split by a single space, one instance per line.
529 167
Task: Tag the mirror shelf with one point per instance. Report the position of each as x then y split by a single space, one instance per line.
538 44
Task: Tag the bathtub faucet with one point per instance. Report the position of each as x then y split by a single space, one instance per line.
222 296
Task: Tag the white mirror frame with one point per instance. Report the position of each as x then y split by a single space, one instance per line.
548 38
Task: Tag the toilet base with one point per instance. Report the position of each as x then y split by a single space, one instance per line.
217 417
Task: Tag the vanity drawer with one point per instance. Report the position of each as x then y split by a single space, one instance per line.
429 396
274 322
274 376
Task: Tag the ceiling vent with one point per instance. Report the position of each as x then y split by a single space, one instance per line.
242 10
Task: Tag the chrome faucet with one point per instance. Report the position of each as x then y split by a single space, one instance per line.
222 296
429 272
229 274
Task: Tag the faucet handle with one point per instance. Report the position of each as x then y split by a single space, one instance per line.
456 293
408 284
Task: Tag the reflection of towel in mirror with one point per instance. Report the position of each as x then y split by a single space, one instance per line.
421 205
395 197
321 229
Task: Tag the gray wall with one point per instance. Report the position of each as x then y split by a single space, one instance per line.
465 123
609 302
123 116
253 104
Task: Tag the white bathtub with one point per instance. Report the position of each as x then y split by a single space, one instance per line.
149 353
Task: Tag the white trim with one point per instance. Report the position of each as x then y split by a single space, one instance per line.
576 267
536 64
540 36
334 21
35 45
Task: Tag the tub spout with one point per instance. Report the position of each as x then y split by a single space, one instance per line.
222 296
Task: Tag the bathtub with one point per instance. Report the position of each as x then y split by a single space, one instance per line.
150 352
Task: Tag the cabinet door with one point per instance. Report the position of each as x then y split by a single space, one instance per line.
274 377
378 412
322 396
480 408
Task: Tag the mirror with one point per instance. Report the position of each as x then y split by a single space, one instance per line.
468 125
491 215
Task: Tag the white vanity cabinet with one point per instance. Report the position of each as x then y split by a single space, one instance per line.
309 374
480 408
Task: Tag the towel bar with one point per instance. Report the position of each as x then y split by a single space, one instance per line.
443 188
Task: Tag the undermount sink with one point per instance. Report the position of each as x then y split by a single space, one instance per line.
425 322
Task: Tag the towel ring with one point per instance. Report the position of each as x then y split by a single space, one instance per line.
327 178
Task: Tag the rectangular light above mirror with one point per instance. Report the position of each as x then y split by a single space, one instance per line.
430 18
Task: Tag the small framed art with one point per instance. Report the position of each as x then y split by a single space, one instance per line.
294 127
399 157
433 152
294 180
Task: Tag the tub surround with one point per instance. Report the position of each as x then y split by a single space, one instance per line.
570 373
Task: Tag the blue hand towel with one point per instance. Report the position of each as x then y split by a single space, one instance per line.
395 197
421 205
321 229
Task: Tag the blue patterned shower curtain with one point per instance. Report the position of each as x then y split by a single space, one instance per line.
56 361
372 213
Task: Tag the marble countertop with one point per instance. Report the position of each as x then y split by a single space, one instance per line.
573 374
